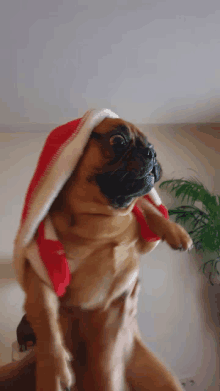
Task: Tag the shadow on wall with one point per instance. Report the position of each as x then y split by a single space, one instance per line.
210 303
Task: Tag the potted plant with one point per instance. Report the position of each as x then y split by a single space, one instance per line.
202 222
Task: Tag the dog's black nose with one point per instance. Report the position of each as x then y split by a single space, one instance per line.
149 151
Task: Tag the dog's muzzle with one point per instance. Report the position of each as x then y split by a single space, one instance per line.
131 175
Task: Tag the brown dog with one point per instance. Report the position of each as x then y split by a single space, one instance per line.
93 220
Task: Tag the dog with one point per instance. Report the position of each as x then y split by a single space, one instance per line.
92 217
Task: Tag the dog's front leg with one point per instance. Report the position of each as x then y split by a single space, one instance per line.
175 235
145 371
41 306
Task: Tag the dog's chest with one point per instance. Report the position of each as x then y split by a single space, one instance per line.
102 271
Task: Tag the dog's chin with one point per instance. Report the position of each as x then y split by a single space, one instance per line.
121 193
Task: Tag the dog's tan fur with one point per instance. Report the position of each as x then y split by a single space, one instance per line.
103 246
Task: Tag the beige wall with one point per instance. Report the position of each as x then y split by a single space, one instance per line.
175 316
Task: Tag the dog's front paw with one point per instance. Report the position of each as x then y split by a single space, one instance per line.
57 359
61 358
177 237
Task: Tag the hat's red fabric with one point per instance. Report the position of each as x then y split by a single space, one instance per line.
54 143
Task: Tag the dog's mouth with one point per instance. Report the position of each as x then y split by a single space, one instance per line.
121 191
132 175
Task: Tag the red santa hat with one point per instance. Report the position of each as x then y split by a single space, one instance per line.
59 157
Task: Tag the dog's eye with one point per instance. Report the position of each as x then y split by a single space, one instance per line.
117 140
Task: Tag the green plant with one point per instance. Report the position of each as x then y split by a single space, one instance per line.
202 222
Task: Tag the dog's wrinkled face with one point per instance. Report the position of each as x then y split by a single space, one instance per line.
132 168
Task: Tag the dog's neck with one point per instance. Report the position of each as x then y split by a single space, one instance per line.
90 219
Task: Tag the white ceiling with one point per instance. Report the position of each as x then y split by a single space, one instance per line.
150 61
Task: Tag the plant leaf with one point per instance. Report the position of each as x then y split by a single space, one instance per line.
193 190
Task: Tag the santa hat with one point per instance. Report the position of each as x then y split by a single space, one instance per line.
59 157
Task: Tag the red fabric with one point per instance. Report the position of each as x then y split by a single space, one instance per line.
54 259
146 233
164 211
54 141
